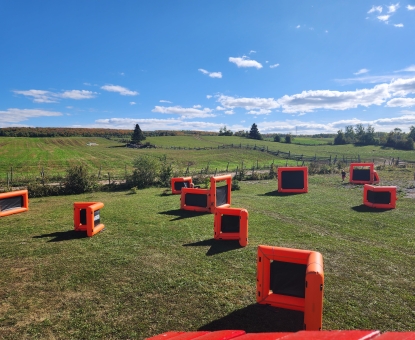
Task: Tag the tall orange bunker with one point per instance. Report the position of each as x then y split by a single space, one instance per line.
14 202
231 224
86 216
293 179
292 279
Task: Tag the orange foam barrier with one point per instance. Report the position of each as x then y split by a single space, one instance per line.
14 202
303 335
231 224
379 197
292 279
293 179
177 183
86 216
363 173
207 200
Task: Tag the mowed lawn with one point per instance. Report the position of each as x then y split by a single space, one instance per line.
156 268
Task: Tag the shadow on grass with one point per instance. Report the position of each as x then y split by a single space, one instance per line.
276 193
64 235
181 214
258 318
365 208
216 246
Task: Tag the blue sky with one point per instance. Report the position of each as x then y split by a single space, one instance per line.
301 67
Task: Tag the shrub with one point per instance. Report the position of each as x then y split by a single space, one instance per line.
145 172
235 185
78 180
166 172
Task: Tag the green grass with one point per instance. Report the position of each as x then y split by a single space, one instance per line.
156 268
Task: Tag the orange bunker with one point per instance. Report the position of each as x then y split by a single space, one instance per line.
86 216
379 197
292 279
363 173
14 202
293 179
231 224
177 183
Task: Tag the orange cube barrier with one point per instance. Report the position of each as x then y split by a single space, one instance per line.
231 224
292 279
293 179
86 216
207 200
14 202
303 335
363 173
379 197
177 183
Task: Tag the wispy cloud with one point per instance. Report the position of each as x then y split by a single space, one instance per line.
211 74
298 26
384 18
361 71
398 25
247 103
42 96
165 101
259 112
133 103
119 89
274 66
393 8
401 102
252 51
375 9
14 115
193 112
410 8
245 62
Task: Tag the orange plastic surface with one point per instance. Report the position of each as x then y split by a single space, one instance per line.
312 303
374 177
397 336
213 182
167 335
222 335
196 191
179 179
292 168
25 207
242 235
334 335
90 208
264 336
390 189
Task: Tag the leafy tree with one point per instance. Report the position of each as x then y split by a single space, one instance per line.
225 132
359 132
277 138
340 139
412 132
349 134
137 135
254 132
78 180
409 144
288 138
146 170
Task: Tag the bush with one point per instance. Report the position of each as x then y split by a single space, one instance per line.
78 181
145 172
166 173
277 138
235 185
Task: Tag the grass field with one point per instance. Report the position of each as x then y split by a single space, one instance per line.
28 157
156 268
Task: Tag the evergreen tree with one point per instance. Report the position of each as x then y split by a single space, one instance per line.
277 138
340 139
288 138
254 132
137 135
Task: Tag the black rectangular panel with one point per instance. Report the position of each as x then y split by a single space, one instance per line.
196 200
379 197
361 175
230 224
10 203
97 218
292 179
221 195
179 185
288 278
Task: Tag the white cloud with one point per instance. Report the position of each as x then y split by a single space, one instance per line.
194 112
119 89
133 103
252 51
229 112
401 102
248 103
208 96
361 71
274 66
402 87
393 8
409 69
41 96
220 108
14 115
77 94
211 74
298 26
259 112
398 25
410 8
384 18
244 62
308 101
375 9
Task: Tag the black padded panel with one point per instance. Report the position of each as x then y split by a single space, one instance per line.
82 214
288 278
230 224
380 197
221 195
196 200
361 175
97 218
292 179
179 185
10 203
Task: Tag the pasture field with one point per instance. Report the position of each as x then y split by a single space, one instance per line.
157 268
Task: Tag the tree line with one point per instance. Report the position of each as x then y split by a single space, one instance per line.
358 135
